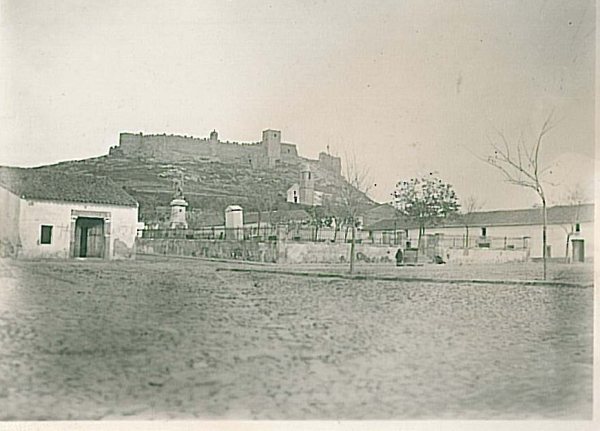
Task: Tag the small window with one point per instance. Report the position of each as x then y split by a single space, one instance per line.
577 227
46 235
484 231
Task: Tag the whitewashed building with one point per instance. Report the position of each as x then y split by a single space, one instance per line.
304 192
55 215
570 231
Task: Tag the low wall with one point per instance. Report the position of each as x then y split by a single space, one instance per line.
483 255
308 252
326 252
222 249
272 251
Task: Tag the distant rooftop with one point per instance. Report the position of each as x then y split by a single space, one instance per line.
47 185
563 214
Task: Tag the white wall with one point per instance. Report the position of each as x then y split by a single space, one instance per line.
482 255
290 194
9 222
556 236
34 214
324 252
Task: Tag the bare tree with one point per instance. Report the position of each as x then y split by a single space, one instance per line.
267 202
520 164
264 200
353 199
470 206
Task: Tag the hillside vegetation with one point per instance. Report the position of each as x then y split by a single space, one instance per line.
208 187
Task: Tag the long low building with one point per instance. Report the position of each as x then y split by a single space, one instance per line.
48 214
570 231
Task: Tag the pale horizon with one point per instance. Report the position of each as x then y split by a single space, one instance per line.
409 88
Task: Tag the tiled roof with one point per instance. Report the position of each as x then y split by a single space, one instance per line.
379 212
390 224
210 220
564 214
283 215
42 184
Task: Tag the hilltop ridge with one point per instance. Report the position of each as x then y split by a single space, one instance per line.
265 153
147 171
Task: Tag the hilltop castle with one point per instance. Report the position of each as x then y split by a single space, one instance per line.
269 152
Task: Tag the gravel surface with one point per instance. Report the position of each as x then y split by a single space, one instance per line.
174 338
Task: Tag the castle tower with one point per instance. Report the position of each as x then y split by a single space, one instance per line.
271 141
178 207
307 186
332 163
214 142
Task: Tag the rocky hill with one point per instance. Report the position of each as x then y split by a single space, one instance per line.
209 187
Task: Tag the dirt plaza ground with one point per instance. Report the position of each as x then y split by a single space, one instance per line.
184 338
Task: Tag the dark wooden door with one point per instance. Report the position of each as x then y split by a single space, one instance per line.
89 234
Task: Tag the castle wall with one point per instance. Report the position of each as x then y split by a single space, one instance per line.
240 153
289 153
331 163
176 147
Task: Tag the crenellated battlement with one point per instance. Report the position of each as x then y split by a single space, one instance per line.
268 152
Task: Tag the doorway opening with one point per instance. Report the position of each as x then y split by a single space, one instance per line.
89 237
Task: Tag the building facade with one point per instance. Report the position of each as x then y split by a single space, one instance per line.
46 215
303 192
570 231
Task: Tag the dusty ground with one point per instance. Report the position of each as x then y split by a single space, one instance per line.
160 338
570 273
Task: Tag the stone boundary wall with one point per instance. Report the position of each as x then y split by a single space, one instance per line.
323 252
308 252
482 255
252 251
270 251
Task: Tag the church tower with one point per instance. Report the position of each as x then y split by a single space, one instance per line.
307 186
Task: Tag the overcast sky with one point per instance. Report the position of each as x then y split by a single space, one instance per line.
409 86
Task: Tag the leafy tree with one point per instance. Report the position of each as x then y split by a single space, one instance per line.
425 201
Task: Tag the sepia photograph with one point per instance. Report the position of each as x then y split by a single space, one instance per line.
297 210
